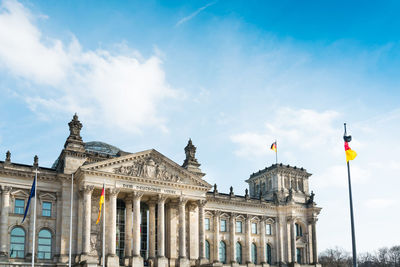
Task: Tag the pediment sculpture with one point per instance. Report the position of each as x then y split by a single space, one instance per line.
149 168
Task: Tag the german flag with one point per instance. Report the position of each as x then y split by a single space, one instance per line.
101 202
350 154
273 146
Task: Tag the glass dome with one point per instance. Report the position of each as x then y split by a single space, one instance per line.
102 148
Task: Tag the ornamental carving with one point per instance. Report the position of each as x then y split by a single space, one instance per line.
148 168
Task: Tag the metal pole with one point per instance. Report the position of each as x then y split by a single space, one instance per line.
104 226
276 152
70 221
353 235
34 223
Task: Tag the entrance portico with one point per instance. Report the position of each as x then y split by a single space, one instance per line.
160 189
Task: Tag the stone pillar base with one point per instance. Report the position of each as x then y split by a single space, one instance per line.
3 256
264 264
112 260
137 261
127 261
88 260
250 264
235 264
162 262
183 262
216 264
201 261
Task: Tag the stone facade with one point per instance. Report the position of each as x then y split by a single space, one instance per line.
158 213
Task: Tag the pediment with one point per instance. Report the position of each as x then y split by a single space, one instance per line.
150 165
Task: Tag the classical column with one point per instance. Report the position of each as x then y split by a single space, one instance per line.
314 241
232 229
161 259
152 229
262 240
216 235
87 208
279 244
112 258
136 258
248 239
128 230
5 209
293 240
182 228
202 255
58 223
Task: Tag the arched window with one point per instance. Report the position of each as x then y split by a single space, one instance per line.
268 254
238 253
222 252
44 244
207 245
17 243
253 253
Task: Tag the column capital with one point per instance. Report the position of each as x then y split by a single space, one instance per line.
217 213
137 195
113 191
6 189
201 203
183 201
161 198
88 189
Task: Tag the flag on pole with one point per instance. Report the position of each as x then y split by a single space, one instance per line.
101 202
31 195
273 146
350 154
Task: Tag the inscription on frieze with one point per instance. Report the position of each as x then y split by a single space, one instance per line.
149 188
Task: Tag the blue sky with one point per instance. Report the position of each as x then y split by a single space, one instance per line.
233 76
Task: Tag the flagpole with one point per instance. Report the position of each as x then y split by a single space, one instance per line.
276 152
353 235
104 225
70 221
34 222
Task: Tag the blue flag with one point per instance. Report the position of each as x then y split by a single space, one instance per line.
32 194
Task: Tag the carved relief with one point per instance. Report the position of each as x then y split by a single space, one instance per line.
148 168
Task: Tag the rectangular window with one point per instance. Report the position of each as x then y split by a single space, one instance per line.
207 223
268 229
223 226
238 227
254 228
19 206
46 209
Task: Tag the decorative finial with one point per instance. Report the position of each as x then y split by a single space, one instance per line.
8 156
74 140
191 163
215 188
36 161
246 193
231 194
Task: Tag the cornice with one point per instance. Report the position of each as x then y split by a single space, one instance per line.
140 180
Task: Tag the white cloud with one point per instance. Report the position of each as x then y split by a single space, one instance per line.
380 203
303 128
122 88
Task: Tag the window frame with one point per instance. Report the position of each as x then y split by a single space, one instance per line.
268 229
19 207
207 250
50 211
45 253
239 252
225 228
254 228
207 224
17 243
241 227
299 230
253 253
222 248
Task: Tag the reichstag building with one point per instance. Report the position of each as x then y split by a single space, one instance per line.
158 212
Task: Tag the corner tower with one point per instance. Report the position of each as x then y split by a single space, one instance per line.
280 183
